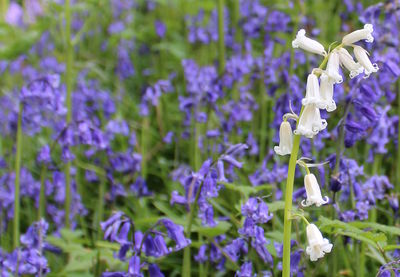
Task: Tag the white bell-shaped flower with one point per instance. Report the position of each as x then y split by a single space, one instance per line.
348 62
313 192
285 139
317 244
362 57
332 67
363 34
308 44
326 94
310 122
312 91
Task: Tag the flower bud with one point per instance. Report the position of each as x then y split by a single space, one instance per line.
285 139
335 184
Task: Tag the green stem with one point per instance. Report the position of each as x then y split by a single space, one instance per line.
287 223
42 196
17 179
4 7
145 127
265 110
221 37
100 207
68 80
398 138
186 268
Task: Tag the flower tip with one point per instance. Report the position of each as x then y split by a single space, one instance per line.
369 27
304 203
301 33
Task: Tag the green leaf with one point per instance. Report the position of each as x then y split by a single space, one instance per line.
376 226
338 227
220 229
71 235
246 190
391 247
18 43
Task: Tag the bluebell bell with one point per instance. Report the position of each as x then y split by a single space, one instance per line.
234 248
154 271
362 209
335 184
160 28
246 270
156 246
201 256
175 232
135 266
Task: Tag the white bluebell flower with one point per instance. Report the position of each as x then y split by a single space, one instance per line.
362 34
317 244
308 44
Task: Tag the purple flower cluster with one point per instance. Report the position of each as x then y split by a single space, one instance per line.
152 243
28 259
203 185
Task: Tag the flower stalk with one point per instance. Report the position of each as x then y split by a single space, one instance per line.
68 80
186 268
287 224
221 37
17 179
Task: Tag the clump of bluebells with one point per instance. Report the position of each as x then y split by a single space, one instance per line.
151 243
29 259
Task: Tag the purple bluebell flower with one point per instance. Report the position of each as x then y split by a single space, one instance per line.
168 137
175 232
246 270
44 155
201 256
160 27
154 271
135 267
15 14
116 27
236 247
156 246
111 226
